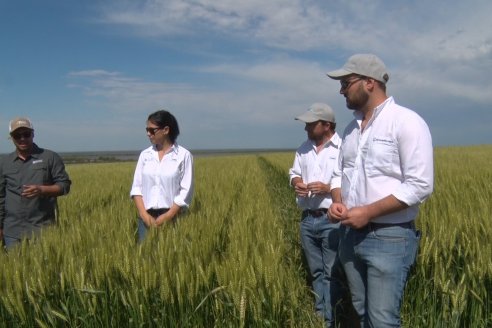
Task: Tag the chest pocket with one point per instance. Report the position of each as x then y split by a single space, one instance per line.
39 174
11 177
383 156
329 166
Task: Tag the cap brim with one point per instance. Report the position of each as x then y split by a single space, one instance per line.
338 74
20 127
307 117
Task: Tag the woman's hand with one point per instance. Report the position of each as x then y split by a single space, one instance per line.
148 219
163 218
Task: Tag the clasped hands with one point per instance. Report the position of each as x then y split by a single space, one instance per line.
313 188
150 221
356 217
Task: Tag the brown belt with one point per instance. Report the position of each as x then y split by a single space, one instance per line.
314 213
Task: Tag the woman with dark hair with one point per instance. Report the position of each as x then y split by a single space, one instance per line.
163 181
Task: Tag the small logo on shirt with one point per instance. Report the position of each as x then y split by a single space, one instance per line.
37 161
383 141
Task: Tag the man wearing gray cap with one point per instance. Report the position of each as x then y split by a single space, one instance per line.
30 180
310 175
385 172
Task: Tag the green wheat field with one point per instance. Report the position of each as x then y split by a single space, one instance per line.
235 260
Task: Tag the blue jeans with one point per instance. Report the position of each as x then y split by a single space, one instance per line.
141 230
320 240
10 242
376 261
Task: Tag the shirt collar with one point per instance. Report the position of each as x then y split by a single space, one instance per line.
359 115
35 153
381 106
333 141
173 151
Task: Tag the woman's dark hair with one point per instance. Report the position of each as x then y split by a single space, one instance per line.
163 118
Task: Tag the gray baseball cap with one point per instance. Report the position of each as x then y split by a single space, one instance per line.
362 64
317 112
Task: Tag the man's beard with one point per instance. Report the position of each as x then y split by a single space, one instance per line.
357 100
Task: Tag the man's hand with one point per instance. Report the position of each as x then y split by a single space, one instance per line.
337 211
356 217
301 189
318 188
32 191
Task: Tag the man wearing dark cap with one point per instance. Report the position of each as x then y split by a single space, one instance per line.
30 180
385 172
310 175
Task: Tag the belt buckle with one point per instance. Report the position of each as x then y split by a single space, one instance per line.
319 212
314 213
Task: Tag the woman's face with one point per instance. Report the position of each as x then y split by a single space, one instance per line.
156 134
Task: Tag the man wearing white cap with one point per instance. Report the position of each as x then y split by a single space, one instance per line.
385 172
310 175
30 180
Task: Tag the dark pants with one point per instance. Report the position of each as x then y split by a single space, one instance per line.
142 228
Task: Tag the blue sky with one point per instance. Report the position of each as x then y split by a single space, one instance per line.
234 73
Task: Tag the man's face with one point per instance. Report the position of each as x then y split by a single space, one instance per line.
315 130
23 138
353 90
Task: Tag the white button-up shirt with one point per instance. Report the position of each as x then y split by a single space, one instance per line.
311 166
162 183
392 156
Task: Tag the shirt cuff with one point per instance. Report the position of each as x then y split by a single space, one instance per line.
407 197
180 202
135 192
335 183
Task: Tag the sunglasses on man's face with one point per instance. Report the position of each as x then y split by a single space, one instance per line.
19 135
345 84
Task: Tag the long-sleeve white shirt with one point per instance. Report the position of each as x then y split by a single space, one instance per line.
392 156
162 183
311 166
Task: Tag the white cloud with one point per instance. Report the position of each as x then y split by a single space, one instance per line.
449 30
434 51
257 100
94 73
298 25
260 88
121 93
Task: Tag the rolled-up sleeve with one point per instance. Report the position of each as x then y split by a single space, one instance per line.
136 189
416 157
186 185
336 177
295 170
59 175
